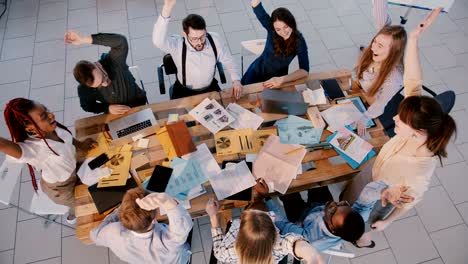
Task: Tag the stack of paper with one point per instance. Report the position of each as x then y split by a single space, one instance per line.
186 175
244 118
341 115
231 180
314 97
211 115
296 130
278 163
203 156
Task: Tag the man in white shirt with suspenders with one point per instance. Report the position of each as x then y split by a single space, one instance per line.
195 55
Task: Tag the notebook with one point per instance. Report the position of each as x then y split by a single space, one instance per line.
106 198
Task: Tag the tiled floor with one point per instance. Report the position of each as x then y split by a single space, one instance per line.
34 63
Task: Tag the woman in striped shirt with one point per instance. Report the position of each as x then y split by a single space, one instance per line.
380 68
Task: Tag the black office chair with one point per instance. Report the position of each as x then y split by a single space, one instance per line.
446 100
170 68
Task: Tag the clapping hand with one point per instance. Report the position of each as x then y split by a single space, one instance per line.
396 196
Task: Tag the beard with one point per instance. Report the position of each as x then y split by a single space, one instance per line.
199 47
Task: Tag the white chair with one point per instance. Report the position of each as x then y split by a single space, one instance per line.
338 251
254 46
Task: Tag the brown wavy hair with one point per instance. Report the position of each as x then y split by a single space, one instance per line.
133 217
425 113
395 56
256 238
284 47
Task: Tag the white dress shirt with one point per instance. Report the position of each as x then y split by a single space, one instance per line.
200 65
53 168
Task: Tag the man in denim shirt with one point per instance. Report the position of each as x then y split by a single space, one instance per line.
325 226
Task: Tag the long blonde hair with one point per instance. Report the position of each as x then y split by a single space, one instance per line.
395 56
256 238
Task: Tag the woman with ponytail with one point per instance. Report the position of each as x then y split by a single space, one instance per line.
422 130
40 141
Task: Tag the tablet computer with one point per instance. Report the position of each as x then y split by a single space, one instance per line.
245 195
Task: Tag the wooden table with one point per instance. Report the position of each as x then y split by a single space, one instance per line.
324 174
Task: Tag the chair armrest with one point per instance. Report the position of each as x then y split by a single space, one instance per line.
162 87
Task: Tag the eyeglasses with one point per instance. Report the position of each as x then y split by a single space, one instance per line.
105 76
199 39
330 210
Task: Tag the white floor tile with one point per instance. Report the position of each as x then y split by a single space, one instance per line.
436 210
79 4
410 242
6 257
451 244
50 30
234 39
88 53
434 181
381 257
346 57
226 6
196 238
453 178
52 96
73 251
440 57
463 209
71 86
336 38
35 242
457 43
461 120
141 27
143 48
21 27
357 24
459 10
12 90
463 149
113 259
140 8
363 40
47 74
112 20
453 155
110 5
308 31
455 79
73 111
53 11
434 261
48 51
8 228
209 14
205 232
235 21
198 258
26 194
15 70
308 5
23 8
324 18
380 244
50 261
82 17
298 11
431 77
17 48
318 53
444 24
193 4
345 7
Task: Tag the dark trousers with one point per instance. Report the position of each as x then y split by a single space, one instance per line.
180 91
295 207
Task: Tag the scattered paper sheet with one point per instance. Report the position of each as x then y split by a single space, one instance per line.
211 115
278 163
204 157
314 97
296 130
340 115
244 118
143 143
241 141
186 174
351 144
89 176
232 179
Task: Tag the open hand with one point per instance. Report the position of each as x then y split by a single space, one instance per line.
274 82
155 200
426 23
237 89
396 196
117 109
361 129
212 207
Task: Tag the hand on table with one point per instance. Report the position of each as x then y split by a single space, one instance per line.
155 200
237 89
212 207
361 129
274 82
396 196
117 109
87 144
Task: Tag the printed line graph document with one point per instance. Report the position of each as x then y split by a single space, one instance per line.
233 179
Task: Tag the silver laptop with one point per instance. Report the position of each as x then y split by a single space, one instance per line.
283 102
132 124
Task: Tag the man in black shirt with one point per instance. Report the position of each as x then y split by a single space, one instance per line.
106 85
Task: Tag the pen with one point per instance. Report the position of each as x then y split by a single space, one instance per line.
293 151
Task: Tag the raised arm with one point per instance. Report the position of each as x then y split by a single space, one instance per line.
10 148
381 14
412 76
160 38
261 14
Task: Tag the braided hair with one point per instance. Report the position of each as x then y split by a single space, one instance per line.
17 116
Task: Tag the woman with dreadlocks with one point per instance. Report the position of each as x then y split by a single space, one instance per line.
43 143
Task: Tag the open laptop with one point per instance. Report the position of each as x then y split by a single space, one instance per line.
283 102
135 124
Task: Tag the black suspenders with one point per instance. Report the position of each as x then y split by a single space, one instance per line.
184 55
